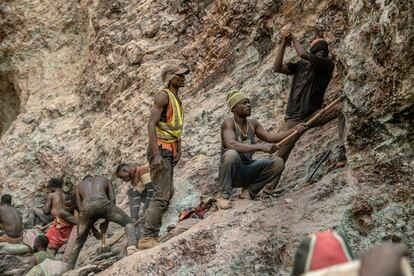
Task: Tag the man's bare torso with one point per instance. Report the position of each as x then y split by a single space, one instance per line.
11 221
137 178
94 187
57 202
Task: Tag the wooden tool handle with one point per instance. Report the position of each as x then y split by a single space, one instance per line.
287 138
326 109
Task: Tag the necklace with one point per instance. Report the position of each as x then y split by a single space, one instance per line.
241 131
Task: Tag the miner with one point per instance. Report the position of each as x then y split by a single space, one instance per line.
96 199
237 167
311 77
10 221
141 187
54 202
165 128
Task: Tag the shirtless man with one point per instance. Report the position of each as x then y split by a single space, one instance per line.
95 198
10 221
63 223
68 211
141 190
53 204
237 167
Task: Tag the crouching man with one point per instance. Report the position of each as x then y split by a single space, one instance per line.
141 190
237 167
95 198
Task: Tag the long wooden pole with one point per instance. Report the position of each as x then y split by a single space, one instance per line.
327 109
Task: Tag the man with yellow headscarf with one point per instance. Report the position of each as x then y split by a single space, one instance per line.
237 167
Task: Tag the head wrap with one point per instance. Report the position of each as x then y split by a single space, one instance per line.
170 71
319 44
234 97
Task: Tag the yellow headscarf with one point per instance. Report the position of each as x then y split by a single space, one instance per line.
234 97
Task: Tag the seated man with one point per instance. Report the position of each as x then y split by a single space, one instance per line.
141 190
41 253
95 198
237 168
53 203
10 221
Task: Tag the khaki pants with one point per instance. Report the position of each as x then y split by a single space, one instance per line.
284 151
163 192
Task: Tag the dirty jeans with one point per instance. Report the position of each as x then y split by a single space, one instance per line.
253 176
90 211
285 149
163 192
135 198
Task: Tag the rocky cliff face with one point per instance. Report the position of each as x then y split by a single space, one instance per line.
77 80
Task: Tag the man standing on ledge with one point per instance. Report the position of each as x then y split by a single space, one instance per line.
164 130
312 75
237 168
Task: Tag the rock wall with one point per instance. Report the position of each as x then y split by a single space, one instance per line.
85 72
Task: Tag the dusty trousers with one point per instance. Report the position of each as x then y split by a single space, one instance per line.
284 150
163 184
253 175
135 198
90 211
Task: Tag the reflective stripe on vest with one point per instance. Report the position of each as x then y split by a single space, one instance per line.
171 131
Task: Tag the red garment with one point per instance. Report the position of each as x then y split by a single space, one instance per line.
197 212
58 233
328 250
